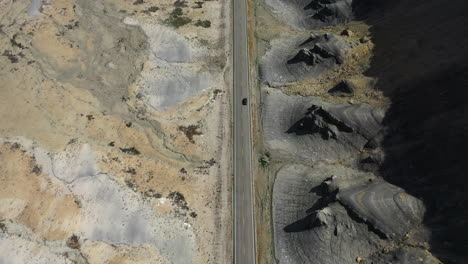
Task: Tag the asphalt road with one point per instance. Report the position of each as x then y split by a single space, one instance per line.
244 231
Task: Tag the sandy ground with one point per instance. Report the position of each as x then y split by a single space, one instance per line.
115 143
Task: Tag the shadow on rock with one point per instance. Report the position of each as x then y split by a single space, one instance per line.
313 219
318 120
304 224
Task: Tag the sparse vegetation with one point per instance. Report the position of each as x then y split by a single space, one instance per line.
204 168
73 242
130 171
177 12
131 151
207 164
190 132
203 23
178 200
72 26
15 146
176 19
203 42
15 43
78 203
10 56
210 162
199 4
180 3
131 184
37 170
265 160
152 193
151 10
217 92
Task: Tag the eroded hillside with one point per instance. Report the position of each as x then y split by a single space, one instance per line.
363 125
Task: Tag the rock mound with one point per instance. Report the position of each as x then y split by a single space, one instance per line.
310 226
388 208
299 58
315 14
343 89
310 129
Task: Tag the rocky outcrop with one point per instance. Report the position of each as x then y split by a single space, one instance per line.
323 48
395 172
310 129
318 120
386 207
313 14
299 58
310 226
344 89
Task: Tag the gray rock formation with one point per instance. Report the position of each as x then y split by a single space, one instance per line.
418 153
385 206
310 226
298 58
308 129
313 14
344 89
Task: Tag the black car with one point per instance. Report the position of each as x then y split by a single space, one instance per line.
244 101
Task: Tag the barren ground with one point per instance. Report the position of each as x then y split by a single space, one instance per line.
115 139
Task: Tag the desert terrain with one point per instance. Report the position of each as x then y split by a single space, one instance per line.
115 131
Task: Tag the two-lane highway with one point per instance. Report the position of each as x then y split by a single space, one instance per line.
244 230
